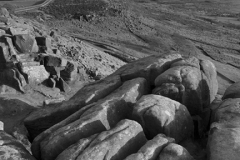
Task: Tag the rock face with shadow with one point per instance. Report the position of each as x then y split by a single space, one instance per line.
190 81
117 143
158 114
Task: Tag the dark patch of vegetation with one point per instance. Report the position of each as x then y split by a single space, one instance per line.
63 9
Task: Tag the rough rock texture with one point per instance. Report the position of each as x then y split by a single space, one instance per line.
148 68
25 43
42 119
104 115
117 143
174 152
35 73
233 91
12 149
75 116
189 81
223 142
158 114
152 149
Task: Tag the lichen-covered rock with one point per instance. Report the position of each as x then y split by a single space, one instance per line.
158 114
10 148
117 143
149 67
191 82
233 91
25 43
152 149
104 115
42 119
174 152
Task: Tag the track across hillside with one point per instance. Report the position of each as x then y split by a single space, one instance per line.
23 9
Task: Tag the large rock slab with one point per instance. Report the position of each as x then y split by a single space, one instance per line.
158 114
119 142
190 81
104 115
152 149
148 68
42 119
10 148
174 152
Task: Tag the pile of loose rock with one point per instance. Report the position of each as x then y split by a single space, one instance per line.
30 55
28 59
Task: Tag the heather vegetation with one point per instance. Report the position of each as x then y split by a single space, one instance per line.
62 9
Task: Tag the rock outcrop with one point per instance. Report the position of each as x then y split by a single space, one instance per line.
191 82
99 106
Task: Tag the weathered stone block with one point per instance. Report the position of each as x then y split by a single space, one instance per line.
158 114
